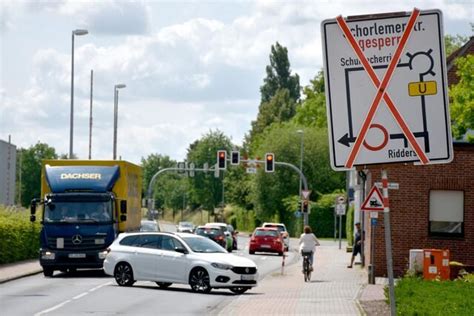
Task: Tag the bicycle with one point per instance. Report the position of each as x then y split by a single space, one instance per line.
306 266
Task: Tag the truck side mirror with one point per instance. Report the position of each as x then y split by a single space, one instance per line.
33 210
123 207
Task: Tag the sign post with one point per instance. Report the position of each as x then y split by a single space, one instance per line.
392 68
340 211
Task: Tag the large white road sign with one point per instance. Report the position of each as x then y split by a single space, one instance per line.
410 123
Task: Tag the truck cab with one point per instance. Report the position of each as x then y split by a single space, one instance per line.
84 208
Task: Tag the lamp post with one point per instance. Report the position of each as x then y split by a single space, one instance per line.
301 132
116 87
71 120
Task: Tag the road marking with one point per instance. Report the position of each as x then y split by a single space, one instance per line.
74 298
52 308
80 295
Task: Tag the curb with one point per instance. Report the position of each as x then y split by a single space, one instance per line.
19 276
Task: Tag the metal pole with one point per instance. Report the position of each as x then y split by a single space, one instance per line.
372 252
340 230
335 224
90 117
362 219
115 122
71 119
388 244
301 168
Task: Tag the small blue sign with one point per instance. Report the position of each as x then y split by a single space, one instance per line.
373 221
298 214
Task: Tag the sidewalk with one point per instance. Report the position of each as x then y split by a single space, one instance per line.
333 290
18 270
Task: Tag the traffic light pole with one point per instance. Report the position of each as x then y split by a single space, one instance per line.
295 168
155 176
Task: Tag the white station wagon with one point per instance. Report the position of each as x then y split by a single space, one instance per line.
168 258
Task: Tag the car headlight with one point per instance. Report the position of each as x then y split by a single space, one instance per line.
102 254
48 255
221 266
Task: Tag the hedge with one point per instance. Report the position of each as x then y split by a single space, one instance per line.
19 238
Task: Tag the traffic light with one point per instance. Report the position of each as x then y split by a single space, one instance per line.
269 162
235 158
222 159
305 206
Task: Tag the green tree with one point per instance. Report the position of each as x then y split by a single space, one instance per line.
151 165
31 170
462 100
453 42
205 189
280 92
271 190
312 111
280 108
279 75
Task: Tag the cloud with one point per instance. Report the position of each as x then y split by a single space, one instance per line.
183 79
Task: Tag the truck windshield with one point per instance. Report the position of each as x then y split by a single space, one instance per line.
63 211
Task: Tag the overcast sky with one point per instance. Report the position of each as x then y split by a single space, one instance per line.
189 66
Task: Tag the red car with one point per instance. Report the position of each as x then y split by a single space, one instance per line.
266 240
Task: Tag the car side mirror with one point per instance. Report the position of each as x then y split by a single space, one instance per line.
123 207
180 250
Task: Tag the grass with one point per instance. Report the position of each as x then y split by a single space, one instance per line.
416 296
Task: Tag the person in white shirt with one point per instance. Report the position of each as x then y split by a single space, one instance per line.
308 242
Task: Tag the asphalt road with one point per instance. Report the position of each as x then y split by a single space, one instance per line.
91 292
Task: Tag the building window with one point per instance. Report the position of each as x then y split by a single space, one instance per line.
446 213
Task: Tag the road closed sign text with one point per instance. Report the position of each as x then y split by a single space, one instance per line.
386 89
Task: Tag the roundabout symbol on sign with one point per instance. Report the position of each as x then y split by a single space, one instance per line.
385 138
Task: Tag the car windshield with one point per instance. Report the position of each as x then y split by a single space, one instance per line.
148 227
185 224
203 245
95 211
208 231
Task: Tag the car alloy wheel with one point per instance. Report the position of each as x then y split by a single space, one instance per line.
163 285
123 274
199 281
239 290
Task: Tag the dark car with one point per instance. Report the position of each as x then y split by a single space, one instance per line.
266 240
214 233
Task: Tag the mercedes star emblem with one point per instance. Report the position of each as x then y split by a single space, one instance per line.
76 239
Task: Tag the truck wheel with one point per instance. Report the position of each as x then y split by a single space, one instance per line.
48 272
123 274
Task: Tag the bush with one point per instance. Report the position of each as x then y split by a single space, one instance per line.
415 296
19 238
321 218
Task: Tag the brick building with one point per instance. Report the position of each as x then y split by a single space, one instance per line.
433 207
416 222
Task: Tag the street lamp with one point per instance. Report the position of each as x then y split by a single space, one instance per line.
71 121
116 87
301 132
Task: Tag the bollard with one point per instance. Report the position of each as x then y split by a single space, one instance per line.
283 263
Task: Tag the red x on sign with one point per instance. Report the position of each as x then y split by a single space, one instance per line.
381 87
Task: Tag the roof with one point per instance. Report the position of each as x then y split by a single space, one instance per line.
462 51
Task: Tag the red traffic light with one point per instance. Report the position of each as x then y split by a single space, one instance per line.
222 159
269 162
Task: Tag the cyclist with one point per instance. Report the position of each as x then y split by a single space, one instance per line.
308 242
